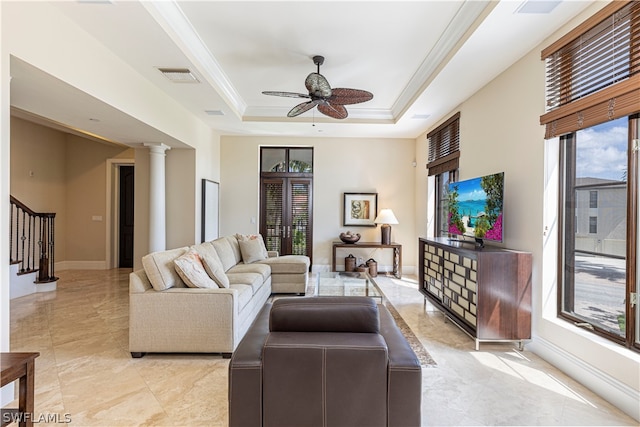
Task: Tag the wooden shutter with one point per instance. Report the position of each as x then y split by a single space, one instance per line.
444 146
593 73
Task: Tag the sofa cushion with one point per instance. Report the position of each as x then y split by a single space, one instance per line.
233 242
190 268
252 250
160 269
254 280
225 252
288 264
212 264
262 269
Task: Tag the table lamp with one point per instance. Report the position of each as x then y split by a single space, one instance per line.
386 217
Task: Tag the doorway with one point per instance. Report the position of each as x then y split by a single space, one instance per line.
125 217
120 213
286 199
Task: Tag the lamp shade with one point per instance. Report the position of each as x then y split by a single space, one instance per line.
386 216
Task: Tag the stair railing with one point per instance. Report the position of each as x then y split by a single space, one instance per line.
31 241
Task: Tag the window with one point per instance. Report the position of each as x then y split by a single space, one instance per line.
444 152
594 274
593 87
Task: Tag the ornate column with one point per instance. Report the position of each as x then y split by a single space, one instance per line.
157 204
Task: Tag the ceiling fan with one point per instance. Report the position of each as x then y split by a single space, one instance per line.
330 101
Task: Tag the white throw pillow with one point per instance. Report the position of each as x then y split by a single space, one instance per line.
212 264
252 250
190 268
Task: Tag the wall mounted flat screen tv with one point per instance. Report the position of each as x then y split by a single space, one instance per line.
475 208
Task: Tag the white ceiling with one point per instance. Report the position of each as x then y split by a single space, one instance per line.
420 59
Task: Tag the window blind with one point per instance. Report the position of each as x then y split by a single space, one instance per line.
444 146
593 73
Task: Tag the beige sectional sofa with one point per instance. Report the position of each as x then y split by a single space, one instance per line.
203 298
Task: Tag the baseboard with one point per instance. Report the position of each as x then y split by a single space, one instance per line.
81 265
618 394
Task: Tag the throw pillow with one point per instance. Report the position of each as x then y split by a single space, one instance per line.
252 250
246 237
190 268
212 264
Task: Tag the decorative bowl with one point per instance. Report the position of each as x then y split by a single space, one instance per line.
349 237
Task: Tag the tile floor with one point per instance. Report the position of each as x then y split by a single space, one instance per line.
86 373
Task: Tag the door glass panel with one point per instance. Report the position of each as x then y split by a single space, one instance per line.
596 234
300 232
273 160
301 160
273 210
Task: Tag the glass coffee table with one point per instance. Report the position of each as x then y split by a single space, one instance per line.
341 283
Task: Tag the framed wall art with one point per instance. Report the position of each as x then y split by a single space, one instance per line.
210 210
360 209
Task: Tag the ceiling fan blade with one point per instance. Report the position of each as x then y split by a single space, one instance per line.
287 94
301 108
334 111
344 96
317 85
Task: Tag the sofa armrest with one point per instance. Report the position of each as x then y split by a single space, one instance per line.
182 320
245 374
405 374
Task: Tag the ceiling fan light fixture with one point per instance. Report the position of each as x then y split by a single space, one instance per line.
330 102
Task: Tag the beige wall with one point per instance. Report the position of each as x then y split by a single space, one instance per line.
87 197
340 165
56 172
38 161
500 131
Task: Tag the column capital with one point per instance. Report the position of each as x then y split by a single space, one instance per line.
156 147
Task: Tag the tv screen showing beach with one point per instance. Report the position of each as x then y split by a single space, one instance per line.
475 207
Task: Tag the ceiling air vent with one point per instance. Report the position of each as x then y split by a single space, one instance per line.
179 75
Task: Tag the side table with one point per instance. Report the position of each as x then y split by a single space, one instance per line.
21 367
397 253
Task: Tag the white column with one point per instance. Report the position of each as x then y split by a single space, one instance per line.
157 204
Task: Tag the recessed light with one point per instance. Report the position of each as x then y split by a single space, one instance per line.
179 75
421 116
537 6
92 119
214 112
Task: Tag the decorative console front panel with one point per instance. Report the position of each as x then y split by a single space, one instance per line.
486 291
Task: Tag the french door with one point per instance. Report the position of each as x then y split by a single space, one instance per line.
285 221
286 200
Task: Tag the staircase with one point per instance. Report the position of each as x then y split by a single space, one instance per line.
31 250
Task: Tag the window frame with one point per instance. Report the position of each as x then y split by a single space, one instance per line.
566 243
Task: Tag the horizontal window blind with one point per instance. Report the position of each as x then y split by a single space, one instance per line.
593 72
444 146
